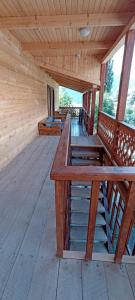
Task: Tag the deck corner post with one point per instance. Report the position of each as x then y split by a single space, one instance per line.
125 74
126 222
92 219
102 84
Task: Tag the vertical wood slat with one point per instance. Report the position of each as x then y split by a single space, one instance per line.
126 221
125 74
92 219
59 205
67 204
91 127
109 194
102 83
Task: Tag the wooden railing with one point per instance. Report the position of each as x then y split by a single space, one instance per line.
73 110
117 179
118 138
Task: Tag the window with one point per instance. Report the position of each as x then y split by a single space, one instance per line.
130 105
112 83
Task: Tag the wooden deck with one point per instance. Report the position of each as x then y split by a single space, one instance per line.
28 266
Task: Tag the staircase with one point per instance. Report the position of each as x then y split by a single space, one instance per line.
80 203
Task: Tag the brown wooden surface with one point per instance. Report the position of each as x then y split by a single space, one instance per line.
125 74
92 219
59 206
54 130
91 125
126 221
29 268
23 98
118 139
102 83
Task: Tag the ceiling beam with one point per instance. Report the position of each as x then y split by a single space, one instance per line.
67 45
120 40
96 19
69 81
54 69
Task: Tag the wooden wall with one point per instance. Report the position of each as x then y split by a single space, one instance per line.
23 98
84 67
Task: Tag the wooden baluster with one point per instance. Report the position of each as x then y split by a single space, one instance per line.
125 225
109 194
92 218
59 205
67 188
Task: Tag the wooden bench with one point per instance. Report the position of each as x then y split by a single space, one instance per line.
60 115
50 127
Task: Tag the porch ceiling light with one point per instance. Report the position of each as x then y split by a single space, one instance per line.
84 31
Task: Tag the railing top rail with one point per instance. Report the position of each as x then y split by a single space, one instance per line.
126 125
88 173
61 156
70 106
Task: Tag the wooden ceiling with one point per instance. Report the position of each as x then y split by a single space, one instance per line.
48 29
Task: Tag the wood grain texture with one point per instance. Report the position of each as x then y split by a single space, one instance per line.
28 266
23 98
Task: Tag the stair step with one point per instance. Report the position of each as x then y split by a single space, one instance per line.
85 162
81 246
80 234
79 205
83 192
85 154
80 219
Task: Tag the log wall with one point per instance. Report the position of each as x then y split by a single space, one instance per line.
23 98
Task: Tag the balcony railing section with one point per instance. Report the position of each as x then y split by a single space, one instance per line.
73 110
118 138
114 179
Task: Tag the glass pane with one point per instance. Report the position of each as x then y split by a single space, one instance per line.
130 105
114 68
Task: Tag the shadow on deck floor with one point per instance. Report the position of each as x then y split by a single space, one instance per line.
28 266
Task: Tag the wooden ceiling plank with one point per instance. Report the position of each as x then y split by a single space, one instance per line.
96 19
67 45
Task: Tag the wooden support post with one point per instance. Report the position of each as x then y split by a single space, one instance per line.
59 205
125 74
91 125
92 218
102 84
126 221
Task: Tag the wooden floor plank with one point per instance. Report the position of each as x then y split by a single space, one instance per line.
69 282
44 281
94 281
131 273
118 282
18 173
20 279
19 160
28 266
11 170
76 129
6 265
24 200
13 232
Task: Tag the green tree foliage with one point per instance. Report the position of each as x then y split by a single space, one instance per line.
108 104
109 76
65 99
130 110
